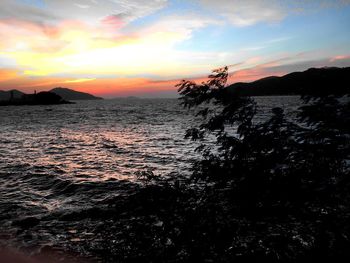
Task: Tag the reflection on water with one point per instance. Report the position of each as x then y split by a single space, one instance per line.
94 140
64 159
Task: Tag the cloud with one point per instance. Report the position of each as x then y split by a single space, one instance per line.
15 10
88 11
82 6
79 48
339 58
79 80
180 27
113 21
249 12
238 12
134 9
8 74
79 35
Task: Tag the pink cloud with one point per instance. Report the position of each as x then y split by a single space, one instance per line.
113 21
339 57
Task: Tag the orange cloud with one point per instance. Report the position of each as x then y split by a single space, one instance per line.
75 47
79 80
7 74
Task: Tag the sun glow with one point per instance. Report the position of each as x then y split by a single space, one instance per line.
82 50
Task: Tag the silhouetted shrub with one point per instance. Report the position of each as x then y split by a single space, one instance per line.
287 181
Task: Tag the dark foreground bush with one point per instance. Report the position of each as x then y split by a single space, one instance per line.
281 186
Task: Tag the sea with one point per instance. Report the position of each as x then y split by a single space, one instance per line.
63 160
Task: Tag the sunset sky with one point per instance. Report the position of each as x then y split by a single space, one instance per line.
116 48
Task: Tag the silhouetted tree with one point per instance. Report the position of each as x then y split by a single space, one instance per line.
292 171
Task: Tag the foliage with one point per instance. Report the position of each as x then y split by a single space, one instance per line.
295 174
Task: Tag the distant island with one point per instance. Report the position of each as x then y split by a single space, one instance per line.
69 94
41 98
314 80
54 96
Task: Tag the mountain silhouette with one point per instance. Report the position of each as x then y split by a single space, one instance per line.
41 98
69 94
312 81
6 95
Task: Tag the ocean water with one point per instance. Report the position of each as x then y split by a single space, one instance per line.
56 161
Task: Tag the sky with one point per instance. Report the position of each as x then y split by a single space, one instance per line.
114 48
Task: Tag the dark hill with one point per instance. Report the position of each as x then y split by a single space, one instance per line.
6 95
314 80
41 98
69 94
